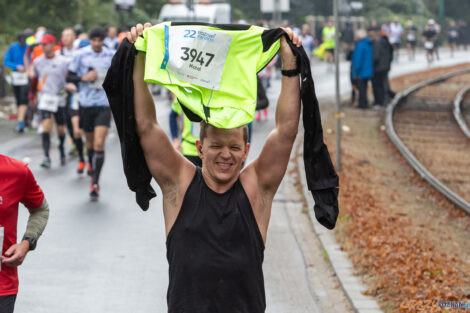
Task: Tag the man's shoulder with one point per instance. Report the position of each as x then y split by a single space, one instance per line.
82 51
12 164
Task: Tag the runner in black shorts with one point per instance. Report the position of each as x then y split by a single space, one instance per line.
93 117
88 68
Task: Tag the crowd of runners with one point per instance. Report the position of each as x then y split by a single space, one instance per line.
57 81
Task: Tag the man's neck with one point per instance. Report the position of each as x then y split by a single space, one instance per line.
69 47
215 186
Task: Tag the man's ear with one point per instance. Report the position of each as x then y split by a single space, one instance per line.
247 149
199 148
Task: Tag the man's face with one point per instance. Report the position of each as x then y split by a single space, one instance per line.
112 32
48 49
305 29
68 36
96 44
223 153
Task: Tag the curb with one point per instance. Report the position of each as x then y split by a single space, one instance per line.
352 286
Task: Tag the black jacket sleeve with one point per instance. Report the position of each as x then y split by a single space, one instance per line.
119 87
322 179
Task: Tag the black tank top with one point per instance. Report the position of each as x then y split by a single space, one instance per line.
215 252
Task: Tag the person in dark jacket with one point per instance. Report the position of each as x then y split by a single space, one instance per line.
363 65
383 56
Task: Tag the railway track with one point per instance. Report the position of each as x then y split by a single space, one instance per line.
421 123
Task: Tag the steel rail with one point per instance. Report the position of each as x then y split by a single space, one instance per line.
457 110
422 171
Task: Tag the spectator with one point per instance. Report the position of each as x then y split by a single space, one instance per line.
363 65
383 55
462 39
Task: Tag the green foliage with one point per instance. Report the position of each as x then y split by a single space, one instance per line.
17 15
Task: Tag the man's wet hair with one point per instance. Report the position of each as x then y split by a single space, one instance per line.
97 32
205 126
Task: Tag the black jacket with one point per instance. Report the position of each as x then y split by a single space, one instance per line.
322 179
383 55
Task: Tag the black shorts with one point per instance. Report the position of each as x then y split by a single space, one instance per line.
332 51
452 40
70 112
59 116
7 303
21 94
94 116
412 42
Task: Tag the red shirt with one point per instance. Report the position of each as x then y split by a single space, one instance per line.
17 184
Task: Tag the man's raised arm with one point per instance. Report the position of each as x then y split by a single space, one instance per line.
271 164
163 161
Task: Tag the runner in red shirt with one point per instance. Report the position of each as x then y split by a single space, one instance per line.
17 184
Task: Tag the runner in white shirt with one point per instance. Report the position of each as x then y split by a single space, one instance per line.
51 69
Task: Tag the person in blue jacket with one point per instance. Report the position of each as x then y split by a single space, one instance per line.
363 65
14 60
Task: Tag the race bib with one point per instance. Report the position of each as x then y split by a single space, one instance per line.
196 55
98 83
429 45
74 101
49 102
411 37
453 34
19 79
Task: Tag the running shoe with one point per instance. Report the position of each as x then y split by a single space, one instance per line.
89 169
94 192
81 167
46 163
62 160
18 130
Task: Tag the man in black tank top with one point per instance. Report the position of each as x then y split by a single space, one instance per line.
217 216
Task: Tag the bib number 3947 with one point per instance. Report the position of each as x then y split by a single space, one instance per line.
197 55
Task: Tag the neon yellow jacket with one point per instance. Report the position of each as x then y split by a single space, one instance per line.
234 103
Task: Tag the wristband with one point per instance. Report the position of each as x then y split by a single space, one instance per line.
290 73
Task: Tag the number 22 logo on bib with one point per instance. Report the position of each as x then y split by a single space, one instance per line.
197 55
